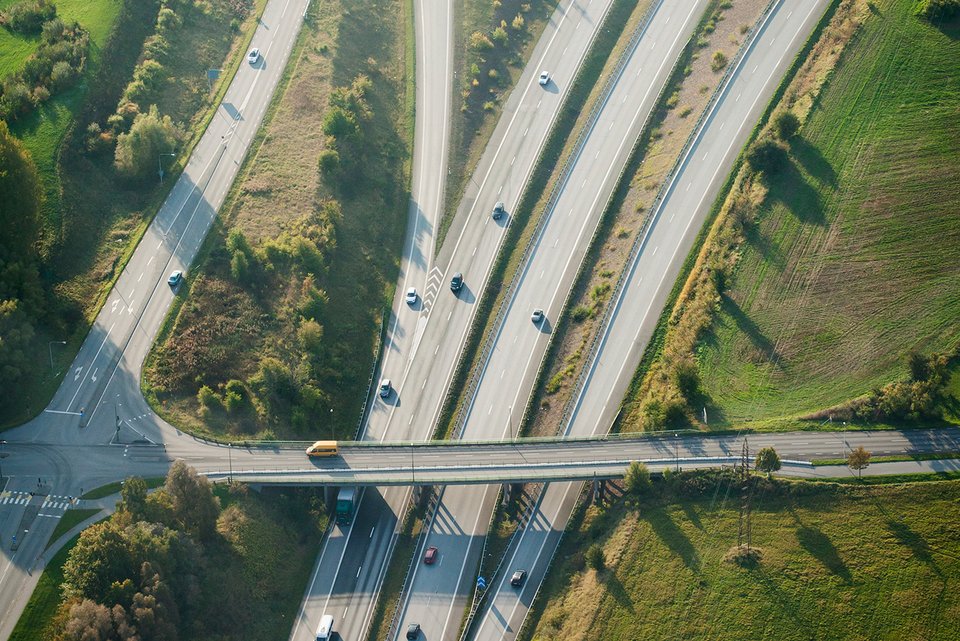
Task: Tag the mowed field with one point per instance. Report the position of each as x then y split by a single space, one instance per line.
839 562
853 261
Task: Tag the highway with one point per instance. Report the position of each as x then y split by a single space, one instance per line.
102 384
439 593
347 577
638 302
425 340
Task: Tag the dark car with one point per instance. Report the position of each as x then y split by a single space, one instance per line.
413 631
498 211
518 578
456 283
430 555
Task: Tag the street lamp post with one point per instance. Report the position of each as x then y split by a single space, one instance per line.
676 445
160 167
50 350
2 443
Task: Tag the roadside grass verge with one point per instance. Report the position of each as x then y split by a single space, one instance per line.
69 520
40 609
840 266
559 144
838 561
932 456
487 69
116 486
686 94
93 218
285 345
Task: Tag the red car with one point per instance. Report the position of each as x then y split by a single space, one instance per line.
430 555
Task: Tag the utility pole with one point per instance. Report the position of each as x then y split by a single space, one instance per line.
746 486
676 450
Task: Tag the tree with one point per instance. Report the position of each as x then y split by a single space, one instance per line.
767 460
151 134
20 200
133 498
637 479
767 156
195 508
17 355
596 559
858 460
786 125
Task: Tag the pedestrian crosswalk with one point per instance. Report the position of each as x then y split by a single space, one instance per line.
52 502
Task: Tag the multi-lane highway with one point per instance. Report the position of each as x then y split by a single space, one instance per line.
638 301
439 593
347 576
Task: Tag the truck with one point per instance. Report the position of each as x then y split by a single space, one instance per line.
347 499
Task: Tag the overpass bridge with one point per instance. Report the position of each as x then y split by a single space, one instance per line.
554 459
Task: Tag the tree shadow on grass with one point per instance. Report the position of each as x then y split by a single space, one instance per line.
784 603
749 327
770 251
674 538
790 188
692 515
914 542
813 161
618 592
822 548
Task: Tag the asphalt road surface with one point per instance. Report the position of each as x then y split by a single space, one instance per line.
637 306
440 592
350 567
420 357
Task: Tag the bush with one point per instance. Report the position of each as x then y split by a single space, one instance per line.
636 480
786 124
480 41
151 135
595 557
767 156
687 378
581 313
329 162
718 61
207 398
937 10
29 16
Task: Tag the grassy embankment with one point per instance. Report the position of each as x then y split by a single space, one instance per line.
488 68
841 264
69 520
344 226
93 218
253 577
722 28
838 562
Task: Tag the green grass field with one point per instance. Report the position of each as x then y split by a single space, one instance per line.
43 603
69 520
853 263
839 562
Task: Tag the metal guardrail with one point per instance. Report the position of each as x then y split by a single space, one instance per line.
489 340
373 372
655 210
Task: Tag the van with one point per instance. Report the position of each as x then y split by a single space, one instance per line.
325 629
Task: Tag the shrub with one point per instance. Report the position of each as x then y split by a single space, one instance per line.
581 313
767 156
29 16
595 557
718 61
637 479
937 10
52 30
518 22
500 36
329 162
150 135
207 398
786 124
479 41
62 75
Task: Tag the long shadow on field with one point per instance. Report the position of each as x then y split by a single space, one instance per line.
813 161
822 548
770 251
618 592
790 188
674 538
749 327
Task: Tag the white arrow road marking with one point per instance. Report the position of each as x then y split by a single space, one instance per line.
76 374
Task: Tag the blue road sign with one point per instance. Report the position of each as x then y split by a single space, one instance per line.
481 583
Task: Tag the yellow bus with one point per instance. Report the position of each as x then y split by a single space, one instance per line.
323 448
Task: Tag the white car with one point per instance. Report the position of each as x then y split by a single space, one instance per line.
544 78
253 56
385 388
411 296
537 315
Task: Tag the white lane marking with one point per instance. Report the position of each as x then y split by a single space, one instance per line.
95 356
371 531
140 278
150 261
